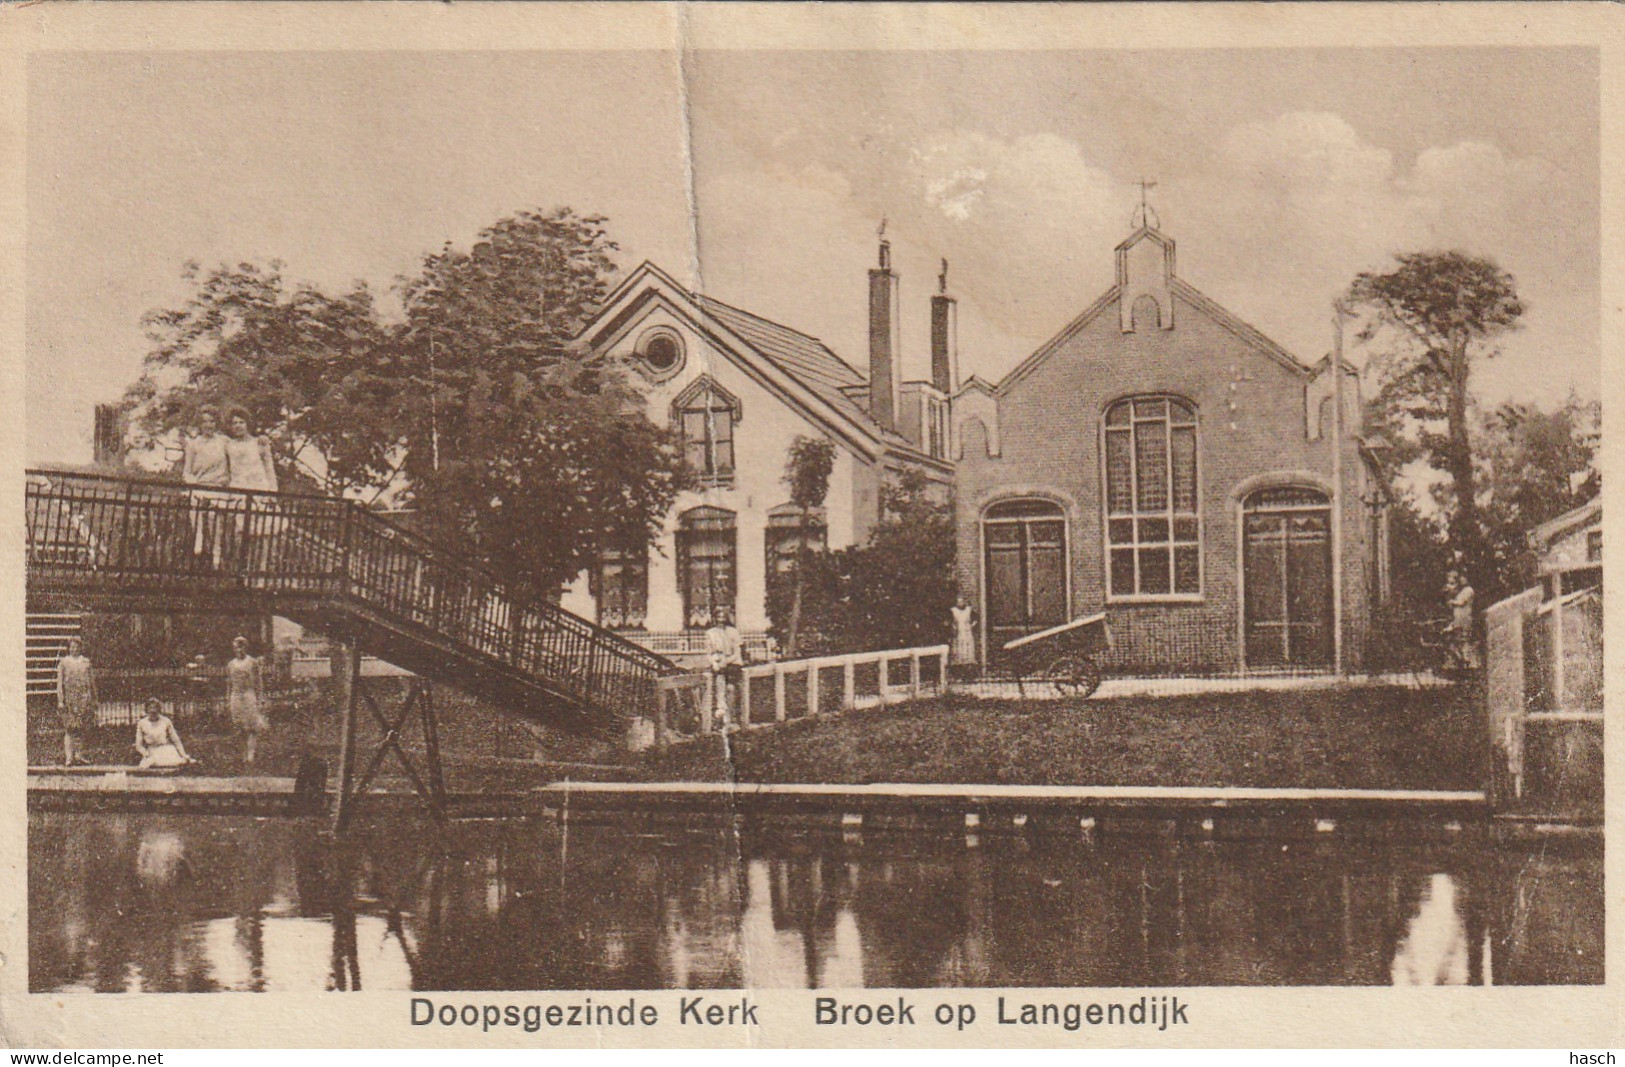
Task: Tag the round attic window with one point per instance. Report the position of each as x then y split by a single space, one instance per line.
662 352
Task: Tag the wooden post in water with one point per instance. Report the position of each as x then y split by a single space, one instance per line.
345 661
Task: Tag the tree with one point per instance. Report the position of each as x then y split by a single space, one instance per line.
893 591
304 365
1533 466
477 408
519 444
902 579
1440 308
807 472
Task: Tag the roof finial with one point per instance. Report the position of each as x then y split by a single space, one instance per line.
885 245
1144 214
942 278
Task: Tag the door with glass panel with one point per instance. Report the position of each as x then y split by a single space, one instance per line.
1287 578
1024 565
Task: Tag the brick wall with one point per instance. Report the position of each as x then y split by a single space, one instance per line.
1253 433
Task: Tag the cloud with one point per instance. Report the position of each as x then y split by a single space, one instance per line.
1274 224
1305 154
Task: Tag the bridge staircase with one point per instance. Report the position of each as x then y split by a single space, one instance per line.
106 543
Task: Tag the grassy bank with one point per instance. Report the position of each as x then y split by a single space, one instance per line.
481 748
1357 738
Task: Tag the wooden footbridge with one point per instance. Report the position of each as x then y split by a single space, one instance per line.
129 544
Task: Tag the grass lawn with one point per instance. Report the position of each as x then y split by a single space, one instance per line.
1354 738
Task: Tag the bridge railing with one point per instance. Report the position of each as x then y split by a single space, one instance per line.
105 535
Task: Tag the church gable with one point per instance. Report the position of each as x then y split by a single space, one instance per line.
1150 311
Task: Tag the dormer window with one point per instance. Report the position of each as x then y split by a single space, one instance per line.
705 415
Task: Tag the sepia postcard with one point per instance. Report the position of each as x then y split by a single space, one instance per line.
647 525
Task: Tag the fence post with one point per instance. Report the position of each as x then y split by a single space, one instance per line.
662 699
812 690
778 692
744 698
849 694
883 676
914 675
942 673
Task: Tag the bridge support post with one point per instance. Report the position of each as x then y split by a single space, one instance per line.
429 781
346 676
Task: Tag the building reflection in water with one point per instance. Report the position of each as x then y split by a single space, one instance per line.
185 904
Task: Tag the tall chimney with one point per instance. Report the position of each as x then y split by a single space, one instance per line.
884 338
944 336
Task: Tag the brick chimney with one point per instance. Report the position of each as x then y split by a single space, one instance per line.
944 336
884 338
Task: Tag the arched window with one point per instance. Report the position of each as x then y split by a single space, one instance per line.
705 414
1153 521
1025 565
707 562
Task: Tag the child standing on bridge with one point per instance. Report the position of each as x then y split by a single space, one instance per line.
245 689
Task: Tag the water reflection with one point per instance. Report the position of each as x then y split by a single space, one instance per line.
122 903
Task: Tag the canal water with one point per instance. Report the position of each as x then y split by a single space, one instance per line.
193 903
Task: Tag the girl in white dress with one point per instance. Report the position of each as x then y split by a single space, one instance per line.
248 457
156 739
245 688
963 652
249 466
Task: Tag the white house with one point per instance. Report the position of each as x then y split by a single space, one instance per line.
739 389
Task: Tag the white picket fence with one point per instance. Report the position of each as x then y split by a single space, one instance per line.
772 693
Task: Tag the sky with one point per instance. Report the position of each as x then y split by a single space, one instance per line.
1280 173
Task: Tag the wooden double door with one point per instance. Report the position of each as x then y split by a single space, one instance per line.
1287 578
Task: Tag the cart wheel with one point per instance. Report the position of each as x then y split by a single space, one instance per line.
1074 676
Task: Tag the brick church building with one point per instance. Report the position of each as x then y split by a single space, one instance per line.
1163 462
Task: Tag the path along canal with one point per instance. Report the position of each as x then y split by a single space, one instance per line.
194 902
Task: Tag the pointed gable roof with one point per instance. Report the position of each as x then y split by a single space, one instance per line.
799 367
1179 289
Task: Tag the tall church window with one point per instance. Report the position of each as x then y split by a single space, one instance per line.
1153 522
708 564
706 414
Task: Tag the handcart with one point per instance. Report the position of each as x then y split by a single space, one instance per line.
1063 656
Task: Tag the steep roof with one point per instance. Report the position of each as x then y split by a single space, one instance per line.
805 359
